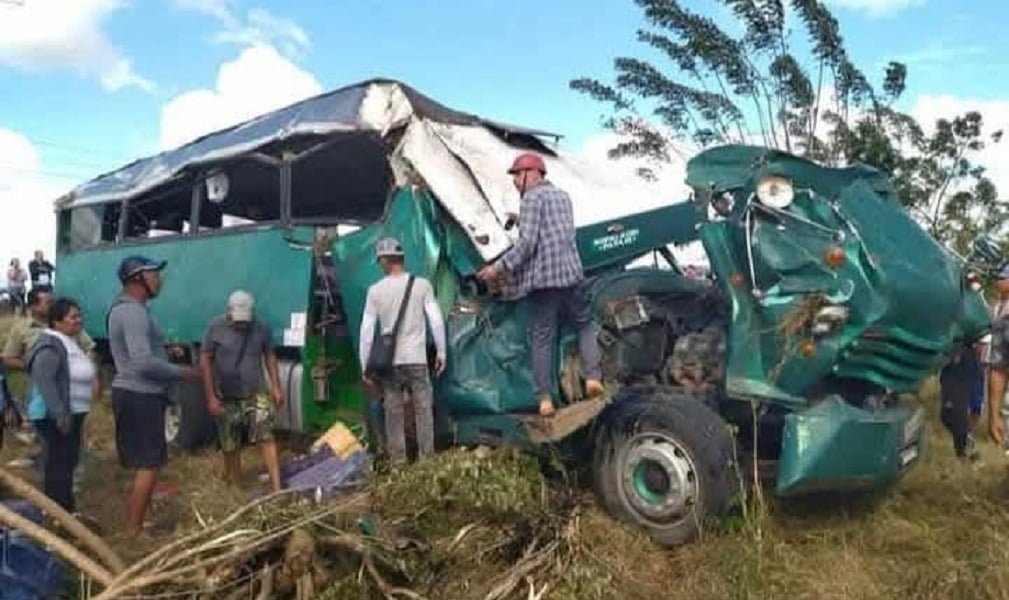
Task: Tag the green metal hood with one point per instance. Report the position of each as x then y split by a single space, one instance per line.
906 296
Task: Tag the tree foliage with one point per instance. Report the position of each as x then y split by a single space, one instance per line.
799 93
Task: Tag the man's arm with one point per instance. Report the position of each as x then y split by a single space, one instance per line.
530 221
436 322
272 366
133 320
999 361
368 321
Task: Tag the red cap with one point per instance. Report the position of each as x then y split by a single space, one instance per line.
528 162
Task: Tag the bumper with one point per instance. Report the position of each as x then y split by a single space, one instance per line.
834 446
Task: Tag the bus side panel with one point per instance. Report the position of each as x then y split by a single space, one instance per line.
202 271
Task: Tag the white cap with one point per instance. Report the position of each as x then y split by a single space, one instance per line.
241 305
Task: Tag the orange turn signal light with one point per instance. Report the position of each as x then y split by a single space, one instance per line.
834 257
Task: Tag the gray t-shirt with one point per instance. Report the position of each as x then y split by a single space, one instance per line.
237 375
138 349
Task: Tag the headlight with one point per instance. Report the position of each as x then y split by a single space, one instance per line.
829 319
775 191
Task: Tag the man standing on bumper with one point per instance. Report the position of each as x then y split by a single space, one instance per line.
140 387
548 272
235 347
409 374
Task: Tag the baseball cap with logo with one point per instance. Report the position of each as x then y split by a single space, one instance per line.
241 305
388 247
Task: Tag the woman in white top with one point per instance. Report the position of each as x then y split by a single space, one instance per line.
62 378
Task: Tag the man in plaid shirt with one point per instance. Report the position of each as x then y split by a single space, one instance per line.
547 271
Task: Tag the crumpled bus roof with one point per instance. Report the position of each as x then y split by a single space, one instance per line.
376 105
461 157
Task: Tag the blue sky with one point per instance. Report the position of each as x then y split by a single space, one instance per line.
92 84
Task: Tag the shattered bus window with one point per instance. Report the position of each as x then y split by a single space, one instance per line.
88 226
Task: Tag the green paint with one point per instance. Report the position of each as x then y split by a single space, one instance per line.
202 271
641 485
835 446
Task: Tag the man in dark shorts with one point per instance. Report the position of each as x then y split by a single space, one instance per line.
140 387
235 348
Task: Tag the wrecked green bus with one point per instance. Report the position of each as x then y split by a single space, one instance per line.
826 303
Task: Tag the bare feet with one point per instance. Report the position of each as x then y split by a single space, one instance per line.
594 388
546 406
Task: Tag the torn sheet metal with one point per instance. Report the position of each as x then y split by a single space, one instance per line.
836 446
463 158
378 105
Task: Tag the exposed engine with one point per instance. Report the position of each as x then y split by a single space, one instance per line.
671 339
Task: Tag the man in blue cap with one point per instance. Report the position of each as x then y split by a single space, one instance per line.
997 360
143 377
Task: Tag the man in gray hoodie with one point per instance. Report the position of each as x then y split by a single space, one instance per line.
144 375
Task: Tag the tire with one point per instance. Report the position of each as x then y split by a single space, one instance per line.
173 421
196 428
663 462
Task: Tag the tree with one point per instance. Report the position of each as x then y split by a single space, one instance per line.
714 88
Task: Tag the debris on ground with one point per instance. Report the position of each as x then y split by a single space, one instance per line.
464 524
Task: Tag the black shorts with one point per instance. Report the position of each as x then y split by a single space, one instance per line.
140 429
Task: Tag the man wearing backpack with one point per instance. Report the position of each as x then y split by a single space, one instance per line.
235 348
397 360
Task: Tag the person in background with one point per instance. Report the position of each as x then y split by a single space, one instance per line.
957 381
24 333
409 377
140 388
16 285
997 360
545 263
41 271
62 377
235 347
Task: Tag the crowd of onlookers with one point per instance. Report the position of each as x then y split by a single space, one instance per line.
39 274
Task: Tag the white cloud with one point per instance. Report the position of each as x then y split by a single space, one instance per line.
259 27
670 182
876 8
26 192
258 81
995 114
938 53
40 35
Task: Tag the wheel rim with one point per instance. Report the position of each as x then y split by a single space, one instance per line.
659 478
172 422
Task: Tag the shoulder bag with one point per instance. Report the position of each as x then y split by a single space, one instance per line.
383 351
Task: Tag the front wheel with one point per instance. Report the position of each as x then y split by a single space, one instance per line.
664 461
